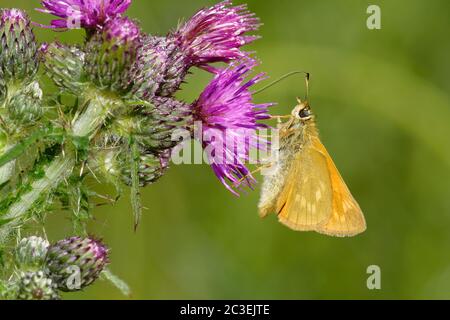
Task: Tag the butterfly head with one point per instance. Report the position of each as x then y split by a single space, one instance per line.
303 111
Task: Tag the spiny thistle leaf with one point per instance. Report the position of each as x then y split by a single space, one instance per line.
17 150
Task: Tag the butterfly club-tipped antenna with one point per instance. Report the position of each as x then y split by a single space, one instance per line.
284 77
306 100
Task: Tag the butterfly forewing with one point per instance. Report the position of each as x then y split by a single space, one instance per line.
346 218
305 203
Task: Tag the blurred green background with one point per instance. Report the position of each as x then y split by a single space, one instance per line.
382 100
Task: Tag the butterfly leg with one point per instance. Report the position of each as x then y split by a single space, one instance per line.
259 169
279 118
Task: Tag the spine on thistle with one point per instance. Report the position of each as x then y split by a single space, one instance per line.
88 257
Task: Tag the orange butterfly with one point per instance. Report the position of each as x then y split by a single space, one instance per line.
304 186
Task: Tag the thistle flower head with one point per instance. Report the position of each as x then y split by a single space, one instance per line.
14 16
154 125
18 49
31 252
122 32
111 54
64 65
36 286
151 168
216 34
26 106
160 68
86 256
88 14
229 123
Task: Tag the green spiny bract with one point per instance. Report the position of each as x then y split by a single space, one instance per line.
155 126
31 252
25 106
64 65
151 168
76 263
111 53
160 68
36 286
114 165
18 49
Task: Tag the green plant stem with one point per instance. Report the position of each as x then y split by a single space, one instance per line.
85 125
7 170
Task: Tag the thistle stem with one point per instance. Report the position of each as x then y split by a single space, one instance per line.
85 125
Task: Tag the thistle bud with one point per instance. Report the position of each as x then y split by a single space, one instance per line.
36 286
64 65
18 50
155 125
75 263
114 165
160 68
151 168
25 106
111 54
31 252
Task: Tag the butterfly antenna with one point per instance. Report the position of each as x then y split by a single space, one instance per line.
307 77
286 76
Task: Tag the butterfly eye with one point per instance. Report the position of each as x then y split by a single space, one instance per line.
304 113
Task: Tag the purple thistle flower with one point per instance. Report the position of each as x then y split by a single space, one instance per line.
216 34
13 16
88 14
229 123
122 31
